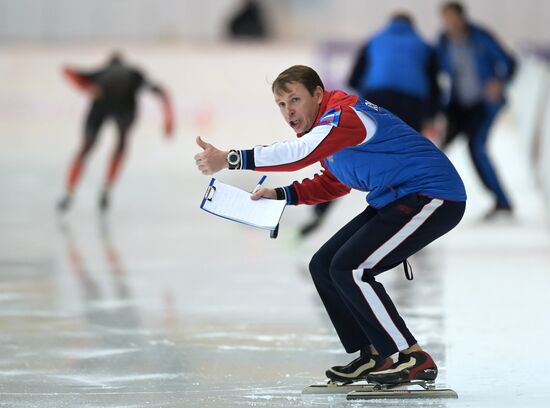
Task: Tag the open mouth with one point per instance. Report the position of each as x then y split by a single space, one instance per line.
293 123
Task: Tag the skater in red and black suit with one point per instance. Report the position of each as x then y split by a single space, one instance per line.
113 90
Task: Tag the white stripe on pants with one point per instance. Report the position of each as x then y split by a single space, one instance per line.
401 235
369 293
379 310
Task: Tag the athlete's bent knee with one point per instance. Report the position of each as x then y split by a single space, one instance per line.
319 265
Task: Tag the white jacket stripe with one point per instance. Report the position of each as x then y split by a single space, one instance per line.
291 151
368 122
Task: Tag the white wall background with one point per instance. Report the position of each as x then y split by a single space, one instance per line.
517 23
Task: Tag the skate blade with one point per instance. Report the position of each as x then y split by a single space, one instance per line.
335 388
402 394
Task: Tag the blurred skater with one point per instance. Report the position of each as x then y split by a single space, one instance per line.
113 90
478 68
397 69
248 22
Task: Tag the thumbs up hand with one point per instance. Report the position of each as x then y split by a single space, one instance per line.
202 144
210 160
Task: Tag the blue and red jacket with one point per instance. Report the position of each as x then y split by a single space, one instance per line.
360 146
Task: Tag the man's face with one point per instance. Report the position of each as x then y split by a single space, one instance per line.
298 106
453 23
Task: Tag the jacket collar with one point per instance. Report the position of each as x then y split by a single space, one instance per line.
322 109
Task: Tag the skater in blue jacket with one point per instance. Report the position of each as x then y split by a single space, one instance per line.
415 195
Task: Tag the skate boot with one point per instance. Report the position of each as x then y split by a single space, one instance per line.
104 201
499 212
64 204
359 368
417 365
309 227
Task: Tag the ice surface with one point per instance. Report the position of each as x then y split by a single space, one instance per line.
161 305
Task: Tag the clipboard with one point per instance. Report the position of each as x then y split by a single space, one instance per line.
232 203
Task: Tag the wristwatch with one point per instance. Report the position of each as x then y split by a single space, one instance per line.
233 159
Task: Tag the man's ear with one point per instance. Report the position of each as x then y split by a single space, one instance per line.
318 93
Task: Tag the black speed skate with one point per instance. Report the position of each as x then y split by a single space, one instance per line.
499 212
400 380
104 201
64 204
415 366
359 368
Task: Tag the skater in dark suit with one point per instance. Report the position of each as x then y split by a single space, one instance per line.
113 90
479 68
248 22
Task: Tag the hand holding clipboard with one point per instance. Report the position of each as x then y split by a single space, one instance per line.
234 204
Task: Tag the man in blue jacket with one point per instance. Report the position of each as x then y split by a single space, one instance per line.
397 69
415 195
478 68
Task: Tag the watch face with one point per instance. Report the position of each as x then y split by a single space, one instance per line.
233 158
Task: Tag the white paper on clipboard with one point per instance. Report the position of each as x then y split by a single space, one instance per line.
235 204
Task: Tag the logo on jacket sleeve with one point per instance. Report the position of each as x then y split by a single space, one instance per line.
372 105
330 118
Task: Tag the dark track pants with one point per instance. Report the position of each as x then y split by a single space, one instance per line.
376 240
475 123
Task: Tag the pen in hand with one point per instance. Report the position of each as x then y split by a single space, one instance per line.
259 185
259 192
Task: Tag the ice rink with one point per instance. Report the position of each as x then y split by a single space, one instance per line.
159 304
